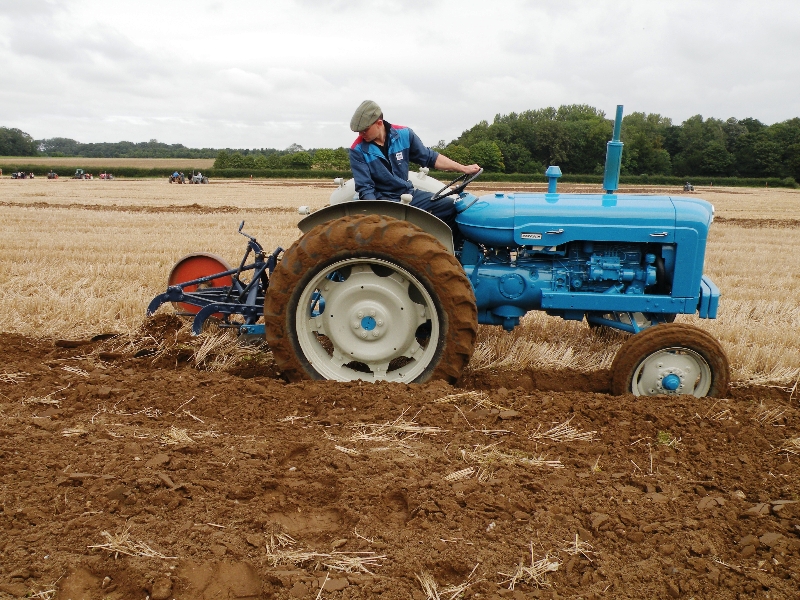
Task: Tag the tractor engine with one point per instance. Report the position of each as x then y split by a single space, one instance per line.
609 269
510 281
586 255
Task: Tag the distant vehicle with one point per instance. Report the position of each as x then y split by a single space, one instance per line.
688 187
21 175
177 178
199 178
81 174
52 174
106 176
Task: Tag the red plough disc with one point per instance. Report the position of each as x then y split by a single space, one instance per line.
194 266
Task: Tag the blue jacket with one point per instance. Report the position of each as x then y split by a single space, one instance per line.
376 178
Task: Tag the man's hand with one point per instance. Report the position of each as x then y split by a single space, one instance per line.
470 169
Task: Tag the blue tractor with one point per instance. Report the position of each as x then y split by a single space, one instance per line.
375 290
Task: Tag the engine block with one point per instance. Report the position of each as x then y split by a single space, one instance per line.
510 282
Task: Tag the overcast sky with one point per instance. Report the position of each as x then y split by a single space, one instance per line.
261 73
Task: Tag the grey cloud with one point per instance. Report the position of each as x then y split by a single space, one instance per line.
269 74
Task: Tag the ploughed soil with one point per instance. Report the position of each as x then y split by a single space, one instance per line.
129 472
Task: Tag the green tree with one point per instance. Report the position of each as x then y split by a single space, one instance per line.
552 143
733 130
223 158
694 137
14 142
487 154
458 153
644 136
297 160
59 147
236 161
716 160
327 158
792 161
787 136
341 159
323 159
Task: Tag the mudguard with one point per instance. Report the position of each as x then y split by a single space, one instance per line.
422 219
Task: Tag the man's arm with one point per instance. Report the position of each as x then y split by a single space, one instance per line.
424 156
446 164
363 179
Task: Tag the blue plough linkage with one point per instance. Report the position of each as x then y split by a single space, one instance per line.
237 298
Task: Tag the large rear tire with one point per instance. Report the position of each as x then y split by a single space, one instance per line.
672 359
372 298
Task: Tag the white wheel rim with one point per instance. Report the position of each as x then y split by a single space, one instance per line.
660 371
368 318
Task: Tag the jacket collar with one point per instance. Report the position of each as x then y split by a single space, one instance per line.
373 149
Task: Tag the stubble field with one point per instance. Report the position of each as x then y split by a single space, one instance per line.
65 163
151 464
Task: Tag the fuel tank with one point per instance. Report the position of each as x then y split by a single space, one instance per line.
547 220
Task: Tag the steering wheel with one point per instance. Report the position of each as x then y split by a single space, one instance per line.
462 180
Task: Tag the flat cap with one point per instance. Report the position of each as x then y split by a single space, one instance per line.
366 114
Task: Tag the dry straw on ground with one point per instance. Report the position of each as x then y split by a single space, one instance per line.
577 546
432 590
399 430
534 574
17 377
280 551
563 432
86 257
488 458
121 543
475 398
392 435
768 416
791 446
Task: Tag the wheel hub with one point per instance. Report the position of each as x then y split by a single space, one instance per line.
370 319
671 382
369 323
673 371
370 311
669 378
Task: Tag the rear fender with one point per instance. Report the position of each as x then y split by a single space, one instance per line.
397 210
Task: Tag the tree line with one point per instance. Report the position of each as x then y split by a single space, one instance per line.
575 136
152 149
572 136
294 157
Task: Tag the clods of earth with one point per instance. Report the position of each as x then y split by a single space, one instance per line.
128 472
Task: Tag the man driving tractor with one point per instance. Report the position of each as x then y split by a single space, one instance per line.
380 156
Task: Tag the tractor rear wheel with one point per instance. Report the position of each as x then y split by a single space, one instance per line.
372 298
672 359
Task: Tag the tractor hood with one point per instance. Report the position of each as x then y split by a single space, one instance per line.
525 219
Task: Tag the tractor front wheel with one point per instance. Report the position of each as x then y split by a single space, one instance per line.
372 298
672 359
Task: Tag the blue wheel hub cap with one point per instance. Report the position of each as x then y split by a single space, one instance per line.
368 323
671 382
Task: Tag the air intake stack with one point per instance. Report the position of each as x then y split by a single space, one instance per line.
614 156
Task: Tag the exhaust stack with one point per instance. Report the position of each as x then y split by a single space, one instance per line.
614 156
